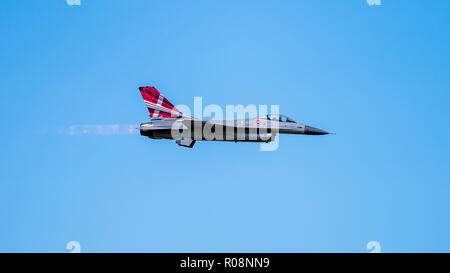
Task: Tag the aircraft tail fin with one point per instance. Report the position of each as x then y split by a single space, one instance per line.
157 104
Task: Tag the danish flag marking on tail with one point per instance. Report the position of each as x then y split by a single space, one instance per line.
157 104
160 101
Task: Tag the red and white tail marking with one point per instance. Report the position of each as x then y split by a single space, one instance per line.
157 104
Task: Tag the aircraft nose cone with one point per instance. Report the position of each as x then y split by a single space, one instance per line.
314 131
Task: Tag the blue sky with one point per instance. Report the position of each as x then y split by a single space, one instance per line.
378 76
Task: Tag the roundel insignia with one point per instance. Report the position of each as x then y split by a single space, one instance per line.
258 121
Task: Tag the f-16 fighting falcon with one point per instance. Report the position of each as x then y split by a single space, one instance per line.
167 122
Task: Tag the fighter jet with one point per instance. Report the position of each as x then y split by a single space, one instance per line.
167 122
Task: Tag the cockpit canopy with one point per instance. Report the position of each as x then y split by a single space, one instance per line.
280 118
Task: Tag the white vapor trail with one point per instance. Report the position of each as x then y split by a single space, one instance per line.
104 129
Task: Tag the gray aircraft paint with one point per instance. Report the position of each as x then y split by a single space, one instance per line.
261 129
